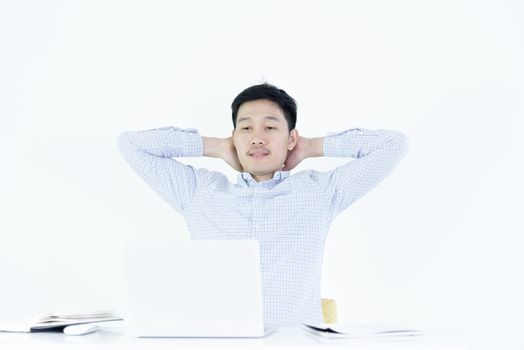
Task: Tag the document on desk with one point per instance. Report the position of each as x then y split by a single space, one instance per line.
370 330
57 321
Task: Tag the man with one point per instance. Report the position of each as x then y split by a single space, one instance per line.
289 215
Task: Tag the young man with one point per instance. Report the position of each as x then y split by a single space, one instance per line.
289 215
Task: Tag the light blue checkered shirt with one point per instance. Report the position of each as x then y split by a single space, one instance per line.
289 215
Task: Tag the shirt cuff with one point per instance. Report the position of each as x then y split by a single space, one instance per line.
190 142
336 143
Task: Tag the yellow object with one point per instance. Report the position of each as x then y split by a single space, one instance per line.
329 311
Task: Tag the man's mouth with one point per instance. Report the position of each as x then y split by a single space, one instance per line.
258 155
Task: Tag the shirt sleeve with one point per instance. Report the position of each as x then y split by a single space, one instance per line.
376 153
150 154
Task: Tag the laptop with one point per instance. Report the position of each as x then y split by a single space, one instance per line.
195 288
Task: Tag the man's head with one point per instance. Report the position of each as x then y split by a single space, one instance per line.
264 119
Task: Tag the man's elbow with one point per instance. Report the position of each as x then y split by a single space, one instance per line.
401 143
123 142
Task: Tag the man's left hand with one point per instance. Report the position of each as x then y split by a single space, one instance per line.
297 154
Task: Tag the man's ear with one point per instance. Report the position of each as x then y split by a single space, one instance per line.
293 139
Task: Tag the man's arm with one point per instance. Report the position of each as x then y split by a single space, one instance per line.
222 148
150 153
305 148
376 153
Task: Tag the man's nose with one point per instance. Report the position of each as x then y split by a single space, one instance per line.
257 140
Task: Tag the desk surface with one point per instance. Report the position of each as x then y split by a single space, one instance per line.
284 338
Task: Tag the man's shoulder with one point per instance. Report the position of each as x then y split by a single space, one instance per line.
307 173
206 176
312 176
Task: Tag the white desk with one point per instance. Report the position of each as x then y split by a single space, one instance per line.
115 337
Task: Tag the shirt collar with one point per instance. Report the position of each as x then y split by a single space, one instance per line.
246 179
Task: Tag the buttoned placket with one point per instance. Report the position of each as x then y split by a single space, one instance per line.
258 189
256 209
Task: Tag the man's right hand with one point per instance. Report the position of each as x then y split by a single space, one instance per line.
222 148
229 154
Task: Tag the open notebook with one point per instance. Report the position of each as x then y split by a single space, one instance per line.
370 330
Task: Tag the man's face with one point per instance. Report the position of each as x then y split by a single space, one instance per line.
261 138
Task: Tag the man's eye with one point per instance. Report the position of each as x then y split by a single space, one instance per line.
269 127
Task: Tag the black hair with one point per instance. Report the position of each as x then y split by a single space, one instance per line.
270 92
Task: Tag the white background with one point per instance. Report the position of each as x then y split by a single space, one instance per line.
437 244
